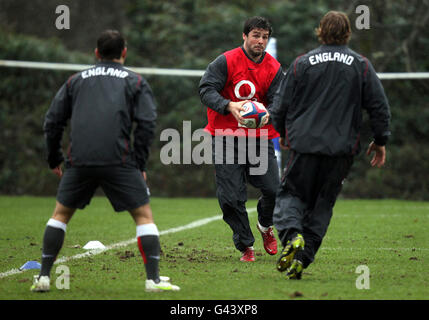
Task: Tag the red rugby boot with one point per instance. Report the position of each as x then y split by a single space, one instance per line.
248 255
270 242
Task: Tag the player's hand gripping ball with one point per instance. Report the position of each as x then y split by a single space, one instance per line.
255 115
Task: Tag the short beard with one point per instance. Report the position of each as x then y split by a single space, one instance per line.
254 54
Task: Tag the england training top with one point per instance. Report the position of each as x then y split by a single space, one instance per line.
233 76
102 103
318 108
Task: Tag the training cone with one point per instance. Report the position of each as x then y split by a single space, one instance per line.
30 265
94 245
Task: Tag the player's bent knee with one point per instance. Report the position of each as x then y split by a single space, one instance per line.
142 214
63 213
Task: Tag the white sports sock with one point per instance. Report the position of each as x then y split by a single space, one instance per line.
57 224
147 229
263 229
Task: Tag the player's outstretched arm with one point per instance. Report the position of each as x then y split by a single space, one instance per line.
55 122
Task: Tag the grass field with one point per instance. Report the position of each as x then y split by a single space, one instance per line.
388 236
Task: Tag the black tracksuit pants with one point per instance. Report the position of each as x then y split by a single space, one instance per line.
305 199
231 189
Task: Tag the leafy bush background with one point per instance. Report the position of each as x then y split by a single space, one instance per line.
190 34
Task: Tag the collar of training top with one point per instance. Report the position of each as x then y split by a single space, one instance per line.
259 61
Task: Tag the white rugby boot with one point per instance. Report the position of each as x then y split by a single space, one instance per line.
163 285
41 284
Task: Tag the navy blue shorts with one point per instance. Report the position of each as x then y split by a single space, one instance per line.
124 186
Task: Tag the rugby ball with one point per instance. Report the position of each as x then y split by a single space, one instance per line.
254 115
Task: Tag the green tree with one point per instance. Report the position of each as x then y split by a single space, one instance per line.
190 34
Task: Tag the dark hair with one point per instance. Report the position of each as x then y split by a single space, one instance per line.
257 23
334 28
110 44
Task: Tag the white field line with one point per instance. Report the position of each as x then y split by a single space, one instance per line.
195 224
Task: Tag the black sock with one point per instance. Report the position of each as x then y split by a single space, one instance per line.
52 242
150 249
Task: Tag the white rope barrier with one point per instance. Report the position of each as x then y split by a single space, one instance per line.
173 72
79 67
